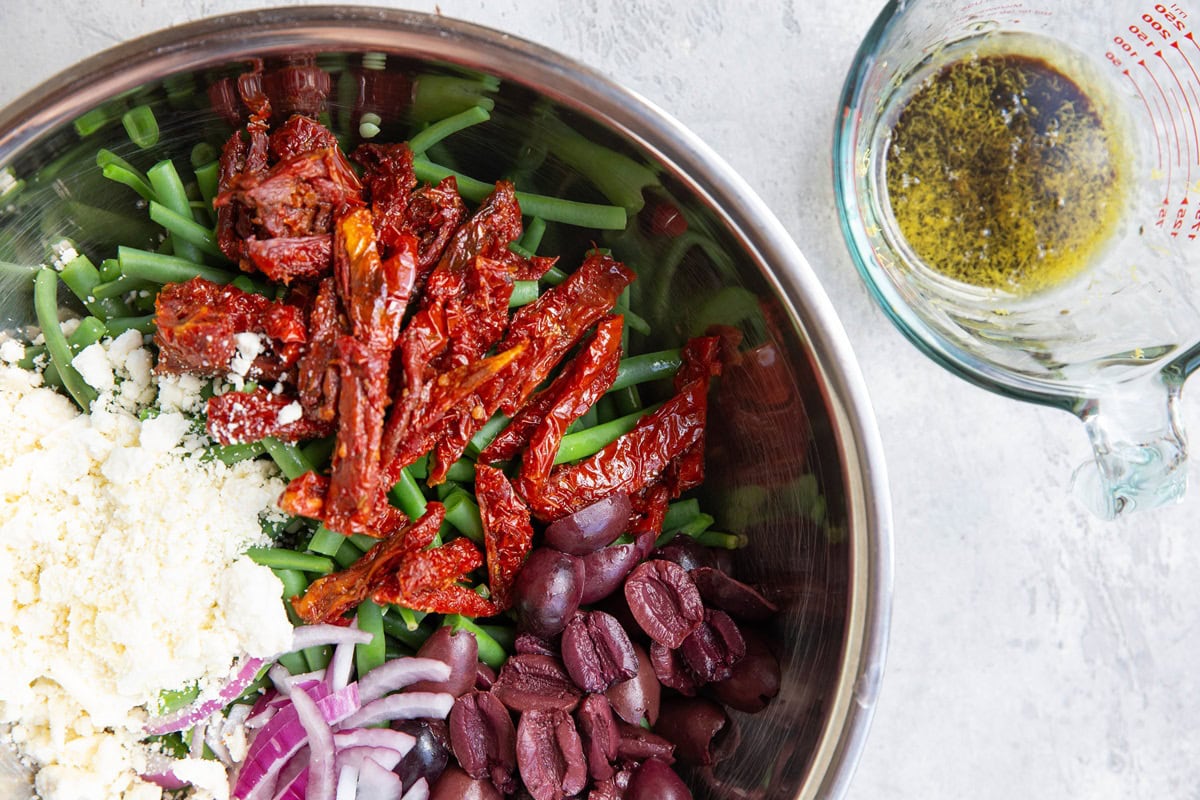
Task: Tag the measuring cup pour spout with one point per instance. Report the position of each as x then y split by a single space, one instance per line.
1139 445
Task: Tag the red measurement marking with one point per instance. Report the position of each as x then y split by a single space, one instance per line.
1170 113
1190 116
1149 114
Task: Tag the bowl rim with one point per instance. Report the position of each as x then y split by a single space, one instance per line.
274 31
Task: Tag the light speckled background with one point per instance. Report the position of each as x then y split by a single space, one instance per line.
1035 652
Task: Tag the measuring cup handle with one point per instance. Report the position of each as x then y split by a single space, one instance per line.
1139 446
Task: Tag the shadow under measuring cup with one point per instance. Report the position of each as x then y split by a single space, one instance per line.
1019 185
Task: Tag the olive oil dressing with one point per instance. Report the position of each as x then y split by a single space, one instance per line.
1002 174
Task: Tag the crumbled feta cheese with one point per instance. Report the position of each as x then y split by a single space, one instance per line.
11 351
249 347
290 413
121 571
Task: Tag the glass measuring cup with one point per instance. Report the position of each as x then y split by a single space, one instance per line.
1112 342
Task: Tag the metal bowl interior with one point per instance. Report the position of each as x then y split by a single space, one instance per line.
793 457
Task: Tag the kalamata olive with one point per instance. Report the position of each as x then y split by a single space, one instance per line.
483 739
590 528
527 644
654 780
460 650
485 676
636 743
755 679
458 785
699 728
548 591
638 697
597 652
430 754
604 569
686 552
664 601
743 601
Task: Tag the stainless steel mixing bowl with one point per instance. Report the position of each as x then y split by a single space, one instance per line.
794 457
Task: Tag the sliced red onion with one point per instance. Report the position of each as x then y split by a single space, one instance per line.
295 787
340 666
160 770
403 705
354 756
398 673
321 777
213 735
306 636
399 741
196 745
204 707
418 791
378 782
260 718
347 785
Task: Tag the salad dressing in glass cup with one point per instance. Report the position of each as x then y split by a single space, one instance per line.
1019 185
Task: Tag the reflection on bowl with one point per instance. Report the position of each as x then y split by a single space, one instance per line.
794 461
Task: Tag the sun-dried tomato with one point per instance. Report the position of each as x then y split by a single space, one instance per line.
650 509
305 496
329 597
428 581
507 531
196 324
642 456
299 196
288 258
550 326
241 417
300 134
433 214
387 180
318 369
375 292
581 384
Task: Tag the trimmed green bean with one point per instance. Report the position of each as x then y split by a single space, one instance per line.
172 196
697 525
185 228
45 303
552 209
463 513
118 325
627 400
282 558
121 287
161 268
318 657
592 440
439 130
208 181
680 513
288 457
646 367
233 453
407 495
117 169
372 654
484 436
83 279
730 541
89 122
490 651
346 554
141 126
554 276
532 237
462 471
318 451
110 270
523 293
396 625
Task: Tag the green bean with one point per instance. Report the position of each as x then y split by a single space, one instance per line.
396 625
288 457
45 302
606 408
680 513
463 513
697 525
406 493
593 440
325 541
490 650
362 541
202 155
185 228
439 130
346 554
627 400
521 251
91 121
141 126
462 471
120 287
523 293
172 195
282 558
294 584
617 176
318 657
554 276
231 454
207 180
553 209
318 451
110 270
435 97
115 168
483 437
532 237
82 278
370 655
646 367
729 541
118 325
166 269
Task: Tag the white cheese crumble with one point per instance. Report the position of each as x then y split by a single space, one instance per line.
121 570
249 346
